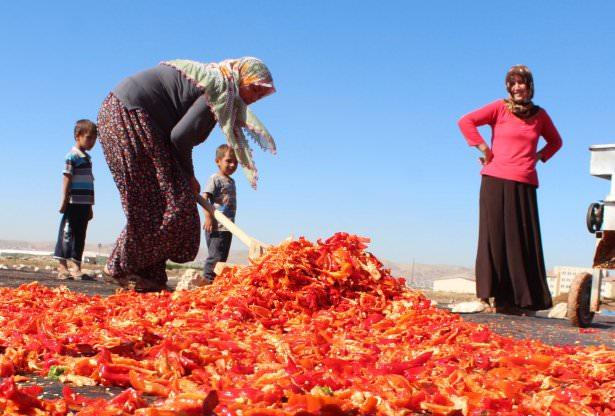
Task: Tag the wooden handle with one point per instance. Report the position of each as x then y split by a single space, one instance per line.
228 224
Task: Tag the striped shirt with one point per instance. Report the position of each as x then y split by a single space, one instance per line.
79 167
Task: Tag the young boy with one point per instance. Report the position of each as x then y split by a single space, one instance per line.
77 201
220 192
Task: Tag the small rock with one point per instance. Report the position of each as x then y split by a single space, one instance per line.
559 311
48 268
37 269
191 279
3 267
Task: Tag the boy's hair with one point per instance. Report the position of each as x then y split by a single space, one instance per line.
221 151
85 126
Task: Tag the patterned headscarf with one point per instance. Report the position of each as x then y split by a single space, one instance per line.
520 109
221 83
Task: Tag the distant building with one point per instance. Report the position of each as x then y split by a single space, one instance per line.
559 281
562 277
455 285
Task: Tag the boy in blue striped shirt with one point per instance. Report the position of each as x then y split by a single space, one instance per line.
77 201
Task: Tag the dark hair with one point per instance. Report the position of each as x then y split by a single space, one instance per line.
221 151
85 126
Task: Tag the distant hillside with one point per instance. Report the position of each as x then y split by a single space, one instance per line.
424 274
105 249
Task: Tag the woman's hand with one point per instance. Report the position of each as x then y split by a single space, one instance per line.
538 158
487 155
195 185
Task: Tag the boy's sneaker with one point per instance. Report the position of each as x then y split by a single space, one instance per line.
79 275
87 277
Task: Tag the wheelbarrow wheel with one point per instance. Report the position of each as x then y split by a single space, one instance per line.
594 217
579 311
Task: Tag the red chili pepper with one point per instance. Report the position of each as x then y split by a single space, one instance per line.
114 374
129 400
7 368
147 386
189 360
209 404
481 335
73 399
23 400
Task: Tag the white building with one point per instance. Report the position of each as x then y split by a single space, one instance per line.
562 278
455 284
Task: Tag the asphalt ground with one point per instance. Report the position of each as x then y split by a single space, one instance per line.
550 331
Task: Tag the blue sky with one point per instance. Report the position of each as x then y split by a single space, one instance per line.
365 114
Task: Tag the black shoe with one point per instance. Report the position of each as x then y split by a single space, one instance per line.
88 277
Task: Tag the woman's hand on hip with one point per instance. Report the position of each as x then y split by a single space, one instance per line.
195 186
487 154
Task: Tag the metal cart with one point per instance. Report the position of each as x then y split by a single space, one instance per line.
584 294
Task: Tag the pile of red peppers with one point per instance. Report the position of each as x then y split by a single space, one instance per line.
308 329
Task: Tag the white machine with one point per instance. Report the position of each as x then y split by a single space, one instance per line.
584 295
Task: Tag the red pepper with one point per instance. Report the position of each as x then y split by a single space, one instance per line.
147 386
7 368
481 335
114 374
209 403
74 400
129 400
24 401
372 319
400 367
189 360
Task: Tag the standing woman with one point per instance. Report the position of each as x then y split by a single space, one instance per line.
148 126
509 263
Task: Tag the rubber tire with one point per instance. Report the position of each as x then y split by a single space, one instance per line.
578 301
594 217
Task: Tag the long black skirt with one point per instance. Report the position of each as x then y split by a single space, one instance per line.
510 265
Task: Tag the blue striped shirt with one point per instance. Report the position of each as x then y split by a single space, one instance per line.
79 167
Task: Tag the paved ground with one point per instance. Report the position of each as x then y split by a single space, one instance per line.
551 331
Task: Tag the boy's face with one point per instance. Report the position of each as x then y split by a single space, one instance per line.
86 141
228 163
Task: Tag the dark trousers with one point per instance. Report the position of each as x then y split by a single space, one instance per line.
509 264
71 236
218 247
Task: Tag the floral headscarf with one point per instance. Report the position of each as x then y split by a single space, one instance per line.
520 109
221 83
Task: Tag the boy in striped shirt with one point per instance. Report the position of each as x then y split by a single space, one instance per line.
77 201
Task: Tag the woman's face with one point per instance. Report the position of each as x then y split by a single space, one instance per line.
519 90
253 92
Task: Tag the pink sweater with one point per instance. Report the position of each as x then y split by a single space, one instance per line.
514 140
